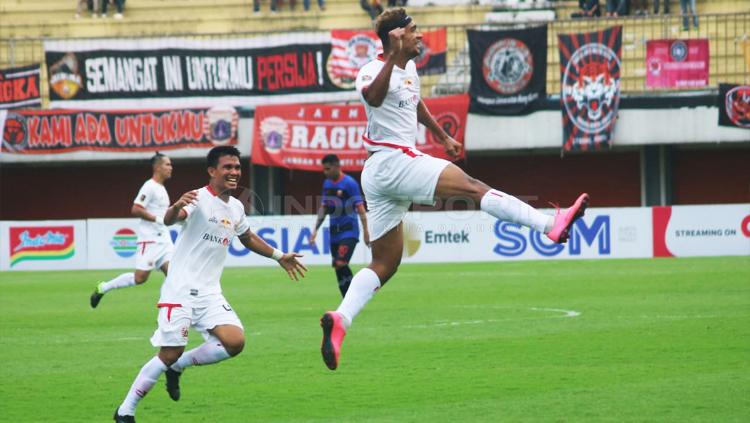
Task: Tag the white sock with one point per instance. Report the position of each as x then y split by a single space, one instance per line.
143 383
123 281
361 290
209 352
509 208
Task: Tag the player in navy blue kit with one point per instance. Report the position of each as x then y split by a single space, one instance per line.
343 201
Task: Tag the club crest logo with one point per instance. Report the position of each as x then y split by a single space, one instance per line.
678 50
220 125
65 77
360 50
737 103
15 133
274 132
508 66
591 86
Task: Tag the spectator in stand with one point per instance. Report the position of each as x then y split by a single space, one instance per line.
656 7
306 4
118 6
640 7
372 7
687 7
92 5
396 3
617 8
589 9
256 6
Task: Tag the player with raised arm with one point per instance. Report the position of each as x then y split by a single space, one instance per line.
343 202
397 174
191 295
155 246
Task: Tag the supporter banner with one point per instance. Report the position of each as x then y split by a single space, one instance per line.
590 83
43 245
677 63
350 50
508 71
19 87
159 73
734 105
63 131
718 230
297 136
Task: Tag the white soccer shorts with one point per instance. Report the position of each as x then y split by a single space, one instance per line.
394 179
152 255
175 320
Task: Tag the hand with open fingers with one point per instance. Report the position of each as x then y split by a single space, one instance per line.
396 39
293 267
452 147
189 197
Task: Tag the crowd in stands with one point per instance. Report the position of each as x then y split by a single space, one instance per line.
375 8
615 8
276 5
96 7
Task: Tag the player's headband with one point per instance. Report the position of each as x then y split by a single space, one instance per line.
402 23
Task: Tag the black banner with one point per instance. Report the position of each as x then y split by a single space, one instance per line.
734 105
63 131
508 71
19 87
590 85
112 72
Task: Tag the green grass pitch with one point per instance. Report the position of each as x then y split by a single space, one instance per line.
607 340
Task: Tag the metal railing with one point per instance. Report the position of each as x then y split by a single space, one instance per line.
728 34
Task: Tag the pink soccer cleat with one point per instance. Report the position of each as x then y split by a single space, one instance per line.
333 336
564 219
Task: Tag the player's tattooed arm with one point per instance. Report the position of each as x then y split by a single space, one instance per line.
176 213
452 147
287 261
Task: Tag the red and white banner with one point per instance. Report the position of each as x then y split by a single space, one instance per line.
19 87
297 136
677 63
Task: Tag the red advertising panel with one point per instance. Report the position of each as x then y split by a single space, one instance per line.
297 136
41 243
63 131
677 63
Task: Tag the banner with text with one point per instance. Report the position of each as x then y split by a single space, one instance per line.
734 105
159 73
508 71
64 131
297 136
590 87
677 63
19 87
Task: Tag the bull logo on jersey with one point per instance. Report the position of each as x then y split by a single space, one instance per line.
737 104
508 66
15 133
274 133
591 87
65 76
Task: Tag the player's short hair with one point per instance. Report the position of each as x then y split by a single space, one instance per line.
156 159
212 159
330 159
390 20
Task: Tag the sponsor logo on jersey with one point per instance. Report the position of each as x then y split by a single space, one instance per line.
508 66
591 87
41 243
217 239
65 76
124 243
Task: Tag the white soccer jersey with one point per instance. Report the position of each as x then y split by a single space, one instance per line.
154 198
201 248
394 123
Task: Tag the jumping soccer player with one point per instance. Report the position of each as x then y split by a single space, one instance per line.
154 243
191 294
341 198
397 174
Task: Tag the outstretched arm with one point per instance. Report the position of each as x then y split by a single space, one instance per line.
452 147
288 261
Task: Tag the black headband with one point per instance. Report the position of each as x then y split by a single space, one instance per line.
383 33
